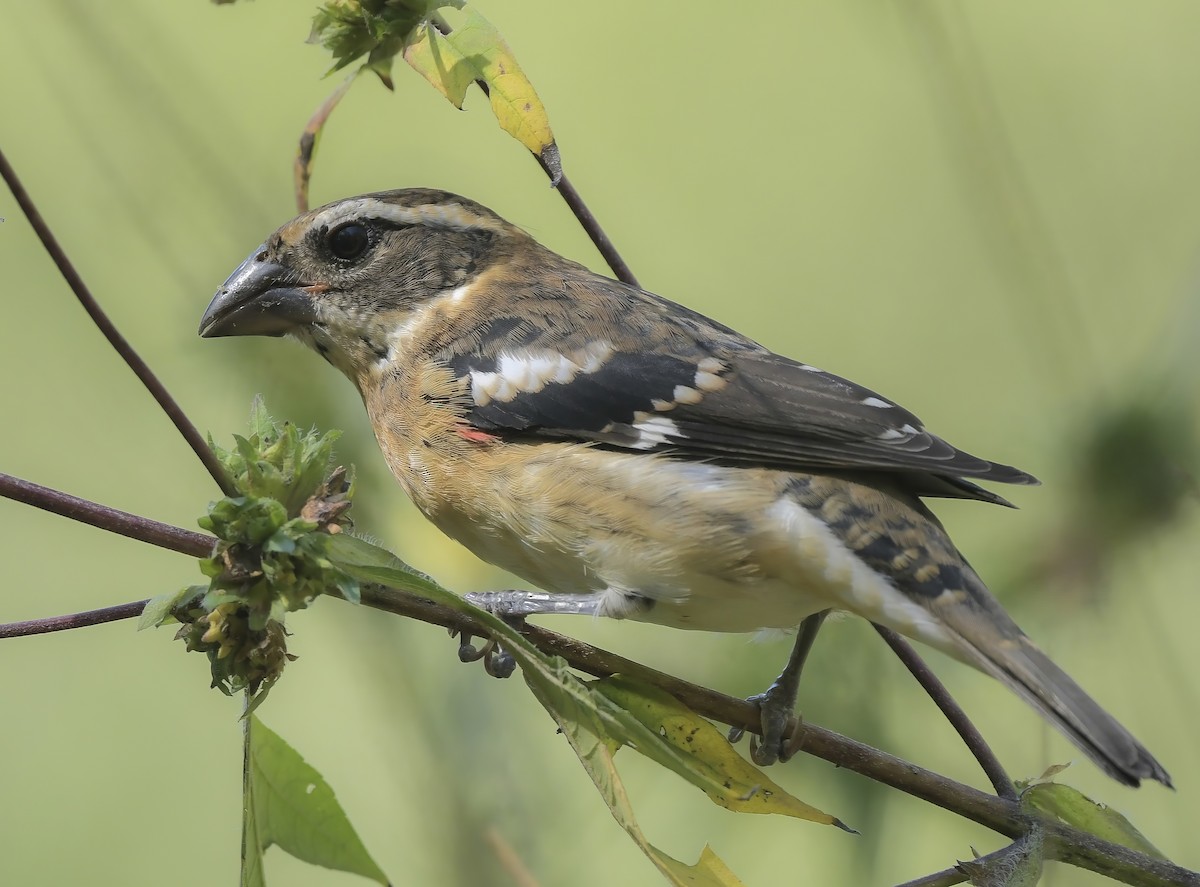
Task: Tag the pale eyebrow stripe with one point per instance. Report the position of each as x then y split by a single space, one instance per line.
444 215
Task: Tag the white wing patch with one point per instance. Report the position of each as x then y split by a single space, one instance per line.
528 372
904 432
654 431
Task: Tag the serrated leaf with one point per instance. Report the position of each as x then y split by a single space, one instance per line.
1076 809
262 425
475 50
707 760
290 805
353 28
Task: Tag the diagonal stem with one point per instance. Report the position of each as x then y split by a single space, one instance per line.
115 521
589 223
954 714
111 333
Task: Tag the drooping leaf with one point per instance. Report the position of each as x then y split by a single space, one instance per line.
708 760
474 51
584 733
290 805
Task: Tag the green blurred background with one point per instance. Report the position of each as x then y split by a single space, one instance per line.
989 212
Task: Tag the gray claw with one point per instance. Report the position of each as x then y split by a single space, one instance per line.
500 664
467 651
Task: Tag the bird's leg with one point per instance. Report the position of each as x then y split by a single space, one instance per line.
778 702
531 603
513 606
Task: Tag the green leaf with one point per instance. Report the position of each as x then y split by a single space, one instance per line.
1074 808
262 425
288 804
158 609
692 747
370 563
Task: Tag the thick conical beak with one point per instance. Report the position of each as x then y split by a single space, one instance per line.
260 298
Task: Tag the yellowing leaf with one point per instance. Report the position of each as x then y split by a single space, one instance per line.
708 760
584 734
474 51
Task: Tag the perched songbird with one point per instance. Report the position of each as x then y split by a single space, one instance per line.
632 457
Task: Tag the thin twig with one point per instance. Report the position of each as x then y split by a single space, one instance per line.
302 166
120 522
72 620
589 223
106 326
954 714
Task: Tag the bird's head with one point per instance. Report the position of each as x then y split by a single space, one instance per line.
345 277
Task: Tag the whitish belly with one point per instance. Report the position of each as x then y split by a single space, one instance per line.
676 543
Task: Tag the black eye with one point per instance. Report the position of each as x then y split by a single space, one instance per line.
349 241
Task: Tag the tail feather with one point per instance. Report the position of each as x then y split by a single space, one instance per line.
1030 673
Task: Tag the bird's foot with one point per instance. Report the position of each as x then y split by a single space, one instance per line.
497 661
778 703
775 708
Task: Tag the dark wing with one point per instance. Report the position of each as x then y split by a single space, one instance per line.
700 391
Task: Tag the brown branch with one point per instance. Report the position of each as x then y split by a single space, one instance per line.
998 814
120 522
944 878
589 223
954 714
72 620
111 333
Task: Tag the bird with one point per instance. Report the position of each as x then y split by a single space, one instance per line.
633 458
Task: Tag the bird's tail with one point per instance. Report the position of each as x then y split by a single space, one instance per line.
1029 672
